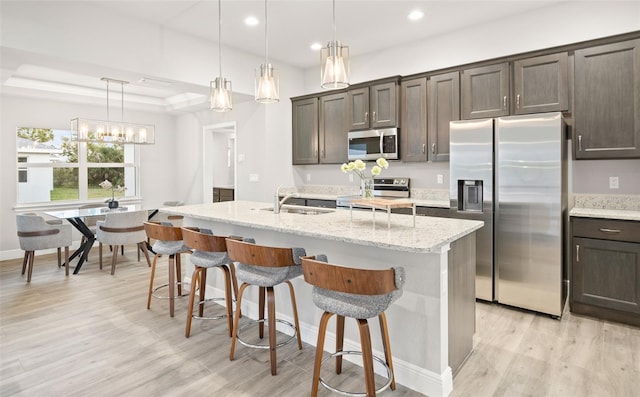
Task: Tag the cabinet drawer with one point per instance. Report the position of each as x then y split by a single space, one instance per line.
606 229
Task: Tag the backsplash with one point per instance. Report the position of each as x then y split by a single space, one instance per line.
607 201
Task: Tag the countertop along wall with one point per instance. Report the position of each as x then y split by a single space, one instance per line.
565 23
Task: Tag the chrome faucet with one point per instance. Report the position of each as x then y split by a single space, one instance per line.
277 203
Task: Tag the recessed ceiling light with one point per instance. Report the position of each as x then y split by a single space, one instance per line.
251 21
415 15
316 46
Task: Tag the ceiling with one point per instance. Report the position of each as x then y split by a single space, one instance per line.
293 25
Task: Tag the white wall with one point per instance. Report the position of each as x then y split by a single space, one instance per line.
546 27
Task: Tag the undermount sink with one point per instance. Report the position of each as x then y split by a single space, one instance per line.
301 210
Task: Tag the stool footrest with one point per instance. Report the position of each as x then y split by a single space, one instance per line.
257 346
195 316
353 394
153 292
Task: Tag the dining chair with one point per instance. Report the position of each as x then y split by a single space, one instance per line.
34 233
120 228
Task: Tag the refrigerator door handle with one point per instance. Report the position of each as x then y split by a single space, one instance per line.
504 102
580 143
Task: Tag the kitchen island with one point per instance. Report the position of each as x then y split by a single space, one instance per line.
431 326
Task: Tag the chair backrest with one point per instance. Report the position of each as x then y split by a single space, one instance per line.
122 227
157 231
195 239
348 280
91 221
259 255
34 233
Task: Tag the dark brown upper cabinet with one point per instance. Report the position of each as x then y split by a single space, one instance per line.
374 106
541 84
413 102
607 101
333 140
485 91
444 107
305 131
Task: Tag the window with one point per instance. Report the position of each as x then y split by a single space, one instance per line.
53 168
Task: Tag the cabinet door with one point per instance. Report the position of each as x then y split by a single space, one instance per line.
333 129
305 131
358 109
606 274
444 106
413 139
607 101
485 91
541 84
384 105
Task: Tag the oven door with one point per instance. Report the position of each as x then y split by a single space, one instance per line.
373 144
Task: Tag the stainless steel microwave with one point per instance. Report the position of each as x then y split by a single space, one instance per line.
373 144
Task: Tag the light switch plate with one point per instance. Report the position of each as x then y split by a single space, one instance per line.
254 177
308 177
614 182
440 179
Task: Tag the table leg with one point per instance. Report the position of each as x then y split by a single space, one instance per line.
84 249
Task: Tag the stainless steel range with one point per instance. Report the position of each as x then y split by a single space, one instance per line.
384 187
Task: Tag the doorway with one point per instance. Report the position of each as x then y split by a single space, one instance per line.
219 158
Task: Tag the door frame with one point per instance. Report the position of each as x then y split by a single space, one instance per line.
230 129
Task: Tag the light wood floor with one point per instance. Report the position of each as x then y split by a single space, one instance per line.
91 335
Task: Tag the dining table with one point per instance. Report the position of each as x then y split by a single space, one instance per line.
78 216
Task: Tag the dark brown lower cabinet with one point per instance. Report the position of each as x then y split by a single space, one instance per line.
605 275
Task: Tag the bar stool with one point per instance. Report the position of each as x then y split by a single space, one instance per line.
209 251
168 241
358 294
265 267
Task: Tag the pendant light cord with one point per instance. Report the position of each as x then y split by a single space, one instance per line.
334 21
266 41
108 119
220 38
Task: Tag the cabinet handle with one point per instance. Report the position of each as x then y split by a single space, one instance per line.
424 148
433 148
577 252
366 117
518 101
605 230
579 143
374 117
504 102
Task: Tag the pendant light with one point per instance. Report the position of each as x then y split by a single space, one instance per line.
110 131
220 88
267 80
334 72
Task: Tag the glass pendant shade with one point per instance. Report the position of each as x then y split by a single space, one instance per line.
220 91
267 88
335 66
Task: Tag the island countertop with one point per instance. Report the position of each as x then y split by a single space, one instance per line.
429 235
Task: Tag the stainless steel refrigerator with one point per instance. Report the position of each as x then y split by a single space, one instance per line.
511 173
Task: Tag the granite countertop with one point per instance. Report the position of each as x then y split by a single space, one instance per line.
630 215
623 207
429 235
419 197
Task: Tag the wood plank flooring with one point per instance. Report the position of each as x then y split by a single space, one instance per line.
91 335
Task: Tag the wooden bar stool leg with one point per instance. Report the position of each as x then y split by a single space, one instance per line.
227 296
367 357
295 313
339 342
261 293
322 330
178 273
192 297
202 291
153 274
387 348
172 284
271 305
236 321
234 280
145 251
